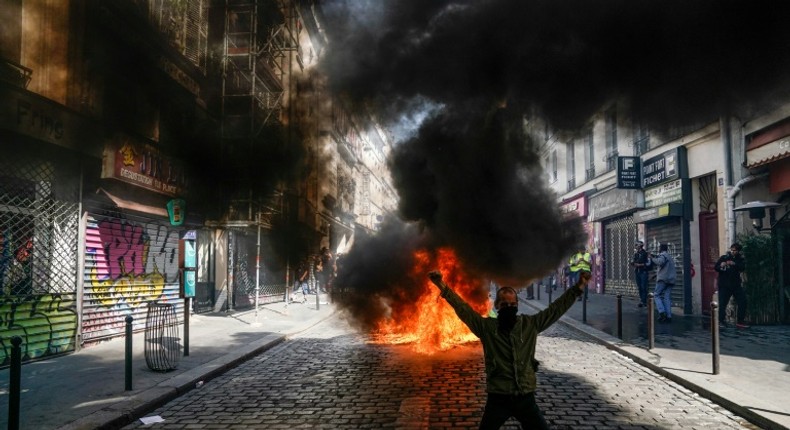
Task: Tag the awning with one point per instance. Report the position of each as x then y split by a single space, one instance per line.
769 146
134 206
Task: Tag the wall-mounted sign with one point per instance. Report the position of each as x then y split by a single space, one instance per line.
143 165
668 192
672 209
615 202
575 207
187 283
666 167
628 173
176 210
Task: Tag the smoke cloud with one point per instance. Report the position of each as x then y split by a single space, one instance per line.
469 71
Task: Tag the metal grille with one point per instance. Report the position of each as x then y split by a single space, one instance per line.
39 224
670 233
619 239
162 341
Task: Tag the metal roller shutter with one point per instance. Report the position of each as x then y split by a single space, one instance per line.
619 237
130 260
667 231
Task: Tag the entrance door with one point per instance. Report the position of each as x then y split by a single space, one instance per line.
709 253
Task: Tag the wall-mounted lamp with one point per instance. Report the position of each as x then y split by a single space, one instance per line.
756 212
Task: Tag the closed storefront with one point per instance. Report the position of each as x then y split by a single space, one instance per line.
620 234
131 259
668 231
39 230
612 209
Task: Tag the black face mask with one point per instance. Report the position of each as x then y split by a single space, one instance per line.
506 317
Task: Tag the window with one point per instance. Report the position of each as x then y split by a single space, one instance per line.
553 168
611 139
589 151
641 139
571 165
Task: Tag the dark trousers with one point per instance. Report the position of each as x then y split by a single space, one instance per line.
500 407
641 284
725 293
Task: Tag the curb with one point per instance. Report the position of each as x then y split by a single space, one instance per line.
616 344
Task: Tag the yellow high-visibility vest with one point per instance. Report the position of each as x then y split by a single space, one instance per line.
580 261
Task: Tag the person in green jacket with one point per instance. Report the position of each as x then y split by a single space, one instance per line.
509 350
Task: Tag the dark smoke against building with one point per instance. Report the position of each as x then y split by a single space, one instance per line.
469 178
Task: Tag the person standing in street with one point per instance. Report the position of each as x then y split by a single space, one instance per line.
509 349
580 262
665 280
730 266
641 264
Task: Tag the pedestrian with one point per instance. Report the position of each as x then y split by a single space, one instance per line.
730 266
509 349
665 280
580 262
641 264
327 269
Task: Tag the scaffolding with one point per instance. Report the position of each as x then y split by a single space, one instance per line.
258 37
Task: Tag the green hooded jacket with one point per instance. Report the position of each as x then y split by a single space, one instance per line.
510 357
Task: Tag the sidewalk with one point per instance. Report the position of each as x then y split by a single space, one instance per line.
85 390
754 378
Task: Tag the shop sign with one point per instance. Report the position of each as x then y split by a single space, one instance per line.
31 115
672 209
575 207
143 165
668 192
666 167
628 173
614 202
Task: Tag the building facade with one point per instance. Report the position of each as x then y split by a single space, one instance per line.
685 189
136 132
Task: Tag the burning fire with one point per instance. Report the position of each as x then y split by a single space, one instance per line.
430 324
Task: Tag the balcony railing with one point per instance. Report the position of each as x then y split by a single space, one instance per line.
571 184
14 73
589 173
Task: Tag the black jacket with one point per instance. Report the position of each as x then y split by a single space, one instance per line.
730 274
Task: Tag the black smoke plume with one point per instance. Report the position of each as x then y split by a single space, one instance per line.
469 178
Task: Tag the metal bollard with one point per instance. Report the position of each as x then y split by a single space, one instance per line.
714 334
187 310
128 373
537 293
550 291
651 329
620 316
584 305
15 383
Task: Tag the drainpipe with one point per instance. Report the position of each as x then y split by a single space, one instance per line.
729 192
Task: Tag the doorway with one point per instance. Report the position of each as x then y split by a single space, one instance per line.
709 253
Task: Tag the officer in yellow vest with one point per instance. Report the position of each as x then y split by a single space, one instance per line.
580 262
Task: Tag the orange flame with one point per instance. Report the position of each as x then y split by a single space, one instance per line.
430 324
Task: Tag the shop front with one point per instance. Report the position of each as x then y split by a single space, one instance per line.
615 232
134 222
577 206
665 220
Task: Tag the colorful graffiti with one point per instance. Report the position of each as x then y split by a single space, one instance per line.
128 264
131 263
47 324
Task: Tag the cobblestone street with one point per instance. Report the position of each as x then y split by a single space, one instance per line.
332 378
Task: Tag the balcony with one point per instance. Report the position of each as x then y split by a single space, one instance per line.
571 184
589 174
15 74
